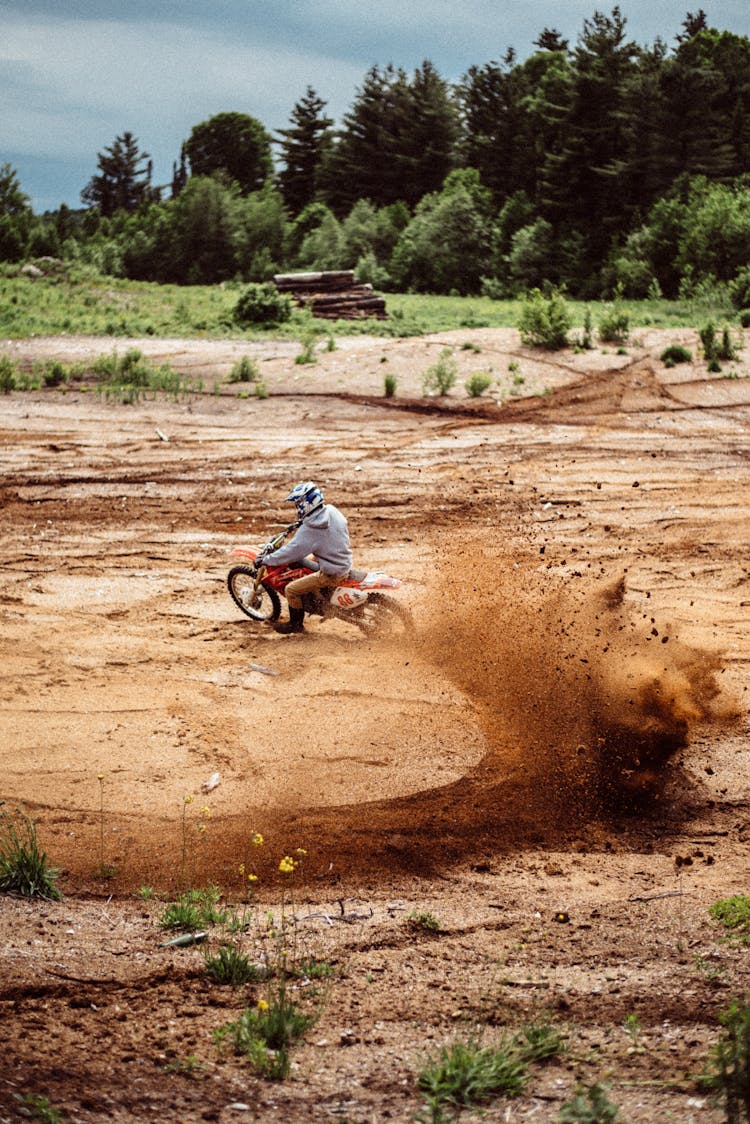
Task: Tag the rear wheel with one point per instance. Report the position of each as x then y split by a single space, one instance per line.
381 615
260 603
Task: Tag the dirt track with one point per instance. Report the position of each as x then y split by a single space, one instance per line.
566 731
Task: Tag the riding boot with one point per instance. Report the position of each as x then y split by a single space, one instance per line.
294 624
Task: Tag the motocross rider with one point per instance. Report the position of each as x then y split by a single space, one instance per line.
322 531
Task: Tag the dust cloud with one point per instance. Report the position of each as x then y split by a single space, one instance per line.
586 697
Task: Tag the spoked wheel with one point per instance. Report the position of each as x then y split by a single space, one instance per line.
381 615
260 603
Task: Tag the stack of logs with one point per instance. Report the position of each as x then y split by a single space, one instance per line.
332 295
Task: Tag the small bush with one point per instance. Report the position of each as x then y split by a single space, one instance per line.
441 376
389 385
262 303
55 373
465 1074
728 1067
232 966
244 370
589 1106
715 346
614 326
545 320
734 914
261 390
195 909
24 868
675 354
307 355
477 384
265 1033
8 374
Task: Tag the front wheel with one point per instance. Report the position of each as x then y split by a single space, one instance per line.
259 602
381 615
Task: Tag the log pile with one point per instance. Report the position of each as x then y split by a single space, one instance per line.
332 295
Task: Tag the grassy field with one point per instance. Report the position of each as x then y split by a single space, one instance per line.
77 303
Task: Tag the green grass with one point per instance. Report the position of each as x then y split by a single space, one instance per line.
83 303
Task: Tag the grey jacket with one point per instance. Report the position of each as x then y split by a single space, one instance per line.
325 534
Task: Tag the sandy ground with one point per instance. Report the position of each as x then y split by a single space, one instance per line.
555 765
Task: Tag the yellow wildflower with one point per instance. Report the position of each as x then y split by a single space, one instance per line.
252 877
257 839
287 864
188 799
262 1005
301 851
241 868
206 812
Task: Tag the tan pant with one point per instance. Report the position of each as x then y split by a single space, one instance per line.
295 591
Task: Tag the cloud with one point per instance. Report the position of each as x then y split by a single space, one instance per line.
68 90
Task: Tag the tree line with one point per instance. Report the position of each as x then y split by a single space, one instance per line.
603 166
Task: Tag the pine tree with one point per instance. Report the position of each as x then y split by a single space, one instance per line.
302 146
123 182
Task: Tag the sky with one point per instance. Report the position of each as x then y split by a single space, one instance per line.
74 74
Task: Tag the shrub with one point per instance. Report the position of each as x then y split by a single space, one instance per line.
477 384
389 385
589 1106
676 353
265 1033
307 355
441 376
728 1067
23 867
614 326
717 347
734 914
244 370
262 304
740 288
232 966
465 1073
8 372
54 373
545 320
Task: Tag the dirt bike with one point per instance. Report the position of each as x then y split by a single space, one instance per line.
257 590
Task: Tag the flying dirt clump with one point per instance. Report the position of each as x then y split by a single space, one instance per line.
585 703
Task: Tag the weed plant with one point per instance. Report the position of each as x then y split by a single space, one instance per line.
244 370
734 914
466 1074
390 384
614 324
728 1068
230 965
477 383
545 320
33 1106
24 869
441 376
8 375
194 909
589 1106
265 1033
425 920
675 354
307 355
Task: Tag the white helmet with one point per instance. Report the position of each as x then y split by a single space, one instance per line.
306 497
